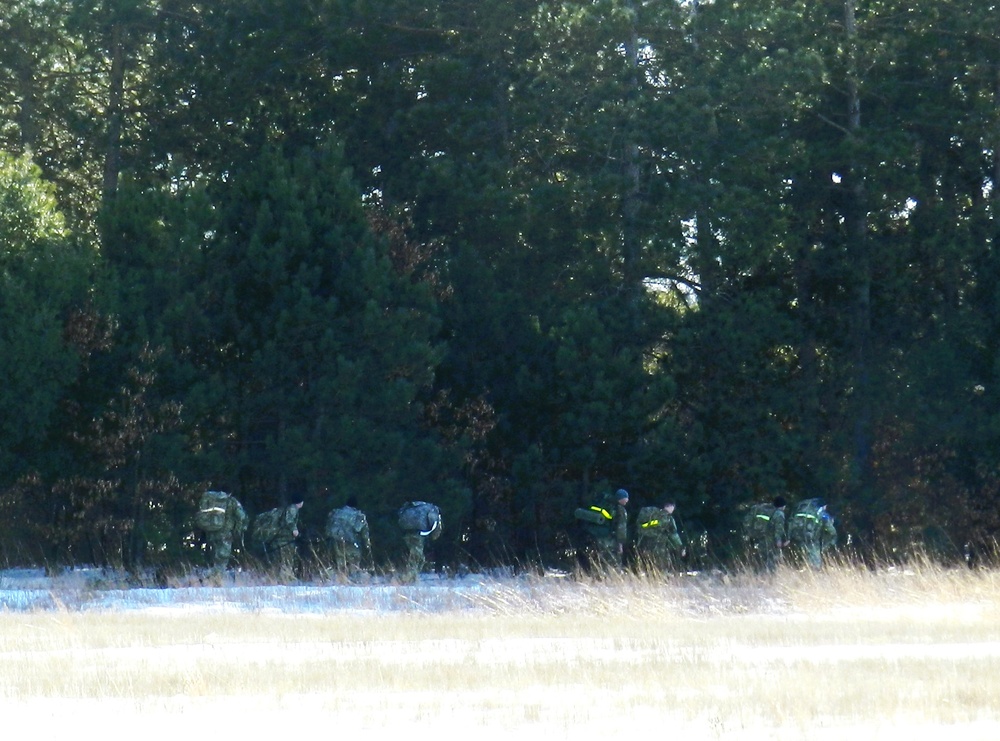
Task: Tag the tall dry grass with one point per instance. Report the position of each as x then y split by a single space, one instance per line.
845 650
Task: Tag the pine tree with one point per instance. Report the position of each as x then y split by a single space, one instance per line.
325 351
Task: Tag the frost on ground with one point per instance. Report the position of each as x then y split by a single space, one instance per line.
97 590
88 589
580 705
422 717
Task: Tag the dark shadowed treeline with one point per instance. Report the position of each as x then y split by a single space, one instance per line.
501 256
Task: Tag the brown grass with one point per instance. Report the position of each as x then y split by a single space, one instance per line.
842 651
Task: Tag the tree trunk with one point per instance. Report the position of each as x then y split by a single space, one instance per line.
116 93
26 114
859 253
808 353
633 186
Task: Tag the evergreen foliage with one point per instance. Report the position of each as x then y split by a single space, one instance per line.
499 256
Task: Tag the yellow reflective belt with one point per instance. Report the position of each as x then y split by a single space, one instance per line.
603 511
651 523
765 518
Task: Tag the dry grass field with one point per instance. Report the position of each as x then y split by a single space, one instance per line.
907 653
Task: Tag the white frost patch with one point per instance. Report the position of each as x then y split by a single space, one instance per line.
26 592
952 612
425 715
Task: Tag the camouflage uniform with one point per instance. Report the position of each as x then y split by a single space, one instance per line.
766 533
274 535
813 534
415 558
234 520
348 535
606 542
414 540
658 544
776 538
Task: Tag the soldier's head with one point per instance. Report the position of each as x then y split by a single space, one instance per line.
622 496
669 506
779 502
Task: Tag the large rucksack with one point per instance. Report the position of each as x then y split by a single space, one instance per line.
804 522
211 514
593 515
420 517
271 529
648 518
601 514
757 521
345 523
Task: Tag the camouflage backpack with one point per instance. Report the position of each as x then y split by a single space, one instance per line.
272 529
804 522
599 515
211 514
593 515
647 518
757 522
420 517
345 523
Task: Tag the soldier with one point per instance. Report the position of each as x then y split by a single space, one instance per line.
606 528
765 532
274 534
349 538
223 520
827 533
419 522
777 536
812 531
658 544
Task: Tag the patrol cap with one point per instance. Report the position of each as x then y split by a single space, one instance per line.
621 494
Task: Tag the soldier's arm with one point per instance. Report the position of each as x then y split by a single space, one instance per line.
673 537
292 521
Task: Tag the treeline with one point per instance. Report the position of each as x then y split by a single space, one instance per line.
501 256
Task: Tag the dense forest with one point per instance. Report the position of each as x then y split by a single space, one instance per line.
502 255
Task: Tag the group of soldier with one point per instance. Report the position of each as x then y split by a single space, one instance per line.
658 546
274 535
768 533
